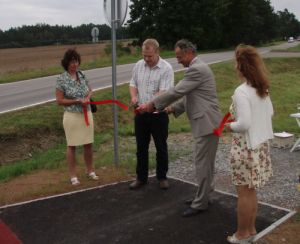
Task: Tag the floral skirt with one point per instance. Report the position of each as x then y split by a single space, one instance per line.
249 167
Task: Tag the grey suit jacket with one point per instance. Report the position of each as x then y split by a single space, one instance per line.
198 98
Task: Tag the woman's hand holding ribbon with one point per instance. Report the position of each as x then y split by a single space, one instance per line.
224 123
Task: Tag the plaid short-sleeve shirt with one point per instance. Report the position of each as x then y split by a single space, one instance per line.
149 81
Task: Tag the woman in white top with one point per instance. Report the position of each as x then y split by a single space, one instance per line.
250 163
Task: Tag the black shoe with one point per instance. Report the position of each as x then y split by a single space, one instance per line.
164 184
191 212
136 184
189 201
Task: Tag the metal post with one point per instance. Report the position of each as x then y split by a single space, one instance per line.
114 81
119 13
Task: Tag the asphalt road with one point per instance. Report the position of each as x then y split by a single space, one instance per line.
27 93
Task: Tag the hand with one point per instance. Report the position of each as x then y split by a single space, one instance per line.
86 100
227 127
146 107
169 110
134 101
78 101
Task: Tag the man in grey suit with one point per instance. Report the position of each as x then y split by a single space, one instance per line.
196 95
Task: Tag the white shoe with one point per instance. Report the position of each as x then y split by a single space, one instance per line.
74 181
233 239
93 176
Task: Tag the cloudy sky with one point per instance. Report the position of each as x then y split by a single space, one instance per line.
15 13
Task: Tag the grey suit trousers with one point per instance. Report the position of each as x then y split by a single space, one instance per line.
204 159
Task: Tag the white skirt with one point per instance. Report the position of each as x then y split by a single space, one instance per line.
76 131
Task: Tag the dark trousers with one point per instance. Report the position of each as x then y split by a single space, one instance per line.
148 124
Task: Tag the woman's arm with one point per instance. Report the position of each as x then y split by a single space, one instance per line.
243 112
61 100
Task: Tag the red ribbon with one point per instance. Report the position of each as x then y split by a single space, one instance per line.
218 131
136 111
86 118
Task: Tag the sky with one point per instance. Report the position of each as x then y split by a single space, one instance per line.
15 13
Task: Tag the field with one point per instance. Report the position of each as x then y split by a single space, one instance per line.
23 59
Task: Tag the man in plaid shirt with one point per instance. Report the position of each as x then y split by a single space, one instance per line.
151 76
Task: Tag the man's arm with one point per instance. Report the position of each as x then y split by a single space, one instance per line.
133 94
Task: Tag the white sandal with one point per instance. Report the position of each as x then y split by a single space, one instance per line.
233 239
74 181
93 176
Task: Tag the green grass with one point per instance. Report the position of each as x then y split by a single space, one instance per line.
284 89
47 119
294 49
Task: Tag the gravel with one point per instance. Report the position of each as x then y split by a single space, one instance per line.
281 190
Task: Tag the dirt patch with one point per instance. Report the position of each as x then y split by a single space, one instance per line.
44 57
286 233
44 183
20 148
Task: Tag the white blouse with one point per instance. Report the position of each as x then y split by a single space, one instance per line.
253 115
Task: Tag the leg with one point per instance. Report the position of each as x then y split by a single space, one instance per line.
159 131
204 157
252 228
88 157
143 136
246 212
71 159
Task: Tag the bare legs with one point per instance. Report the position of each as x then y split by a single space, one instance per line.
246 212
88 159
71 160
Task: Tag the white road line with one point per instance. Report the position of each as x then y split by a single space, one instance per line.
27 106
52 100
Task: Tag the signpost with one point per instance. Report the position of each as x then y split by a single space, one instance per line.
95 34
120 7
115 14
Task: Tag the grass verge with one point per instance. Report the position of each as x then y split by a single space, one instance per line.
285 90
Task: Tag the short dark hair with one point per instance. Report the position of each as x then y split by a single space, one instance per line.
186 45
70 54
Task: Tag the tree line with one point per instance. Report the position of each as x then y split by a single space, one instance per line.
211 24
44 34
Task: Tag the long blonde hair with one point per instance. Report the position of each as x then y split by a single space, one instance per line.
252 67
